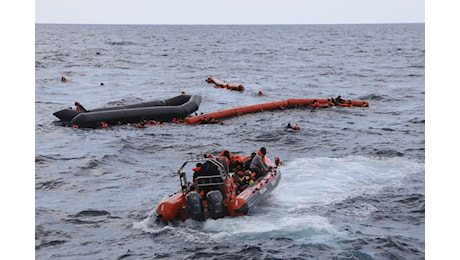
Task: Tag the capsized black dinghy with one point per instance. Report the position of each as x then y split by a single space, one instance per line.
166 110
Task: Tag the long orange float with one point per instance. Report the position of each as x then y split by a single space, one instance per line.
223 84
290 103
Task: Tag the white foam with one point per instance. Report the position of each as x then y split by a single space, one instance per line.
306 183
249 228
313 181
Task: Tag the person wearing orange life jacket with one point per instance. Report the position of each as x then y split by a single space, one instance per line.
278 161
314 104
225 157
289 126
330 101
227 154
140 125
339 99
247 160
243 179
346 103
79 107
178 121
208 156
258 165
196 173
240 181
236 164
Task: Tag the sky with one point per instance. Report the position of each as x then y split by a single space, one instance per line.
229 11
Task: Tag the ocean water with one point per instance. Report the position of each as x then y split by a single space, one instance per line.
353 184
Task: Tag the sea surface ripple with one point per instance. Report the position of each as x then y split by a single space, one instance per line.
353 178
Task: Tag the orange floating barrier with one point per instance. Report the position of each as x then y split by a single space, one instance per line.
299 102
290 103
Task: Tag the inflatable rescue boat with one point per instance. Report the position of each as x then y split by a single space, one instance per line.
166 110
216 192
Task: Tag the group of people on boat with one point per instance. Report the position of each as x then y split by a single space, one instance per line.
246 170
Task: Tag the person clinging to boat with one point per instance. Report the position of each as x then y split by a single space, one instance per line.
79 107
278 161
258 165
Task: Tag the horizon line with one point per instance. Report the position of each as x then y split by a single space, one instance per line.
231 24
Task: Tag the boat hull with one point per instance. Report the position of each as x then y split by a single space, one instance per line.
177 107
174 207
252 195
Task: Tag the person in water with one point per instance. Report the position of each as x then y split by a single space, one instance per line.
314 104
289 126
79 107
278 161
258 165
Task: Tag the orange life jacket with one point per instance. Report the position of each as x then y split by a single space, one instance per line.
262 156
230 155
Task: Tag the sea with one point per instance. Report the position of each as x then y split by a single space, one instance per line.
353 178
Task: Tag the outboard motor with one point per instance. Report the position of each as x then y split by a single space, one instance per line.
215 204
194 205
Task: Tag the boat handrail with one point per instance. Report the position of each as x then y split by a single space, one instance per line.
211 179
220 166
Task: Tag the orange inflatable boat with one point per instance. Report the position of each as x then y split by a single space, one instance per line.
219 189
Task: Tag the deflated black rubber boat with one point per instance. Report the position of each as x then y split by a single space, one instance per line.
166 110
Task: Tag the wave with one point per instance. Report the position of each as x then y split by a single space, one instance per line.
121 43
348 179
50 185
41 159
91 213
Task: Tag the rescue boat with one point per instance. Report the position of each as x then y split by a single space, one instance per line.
167 110
215 193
